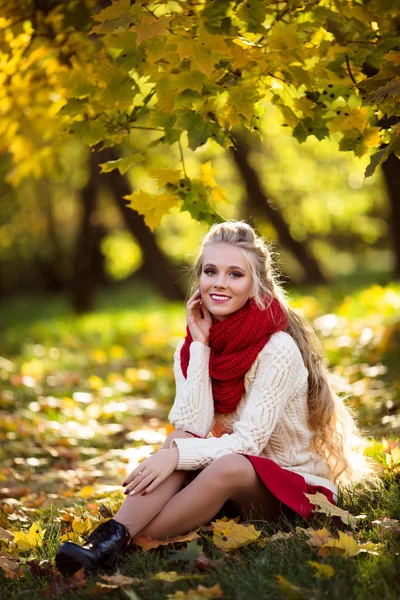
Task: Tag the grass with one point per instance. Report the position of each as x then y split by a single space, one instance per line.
82 396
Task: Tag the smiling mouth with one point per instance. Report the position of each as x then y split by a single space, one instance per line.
218 298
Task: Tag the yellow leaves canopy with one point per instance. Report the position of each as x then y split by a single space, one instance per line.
152 206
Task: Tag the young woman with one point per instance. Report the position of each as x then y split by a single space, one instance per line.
257 424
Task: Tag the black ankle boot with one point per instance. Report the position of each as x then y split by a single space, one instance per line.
100 551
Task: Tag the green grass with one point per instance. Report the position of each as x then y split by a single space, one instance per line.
75 388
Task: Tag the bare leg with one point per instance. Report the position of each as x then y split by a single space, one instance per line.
230 477
137 511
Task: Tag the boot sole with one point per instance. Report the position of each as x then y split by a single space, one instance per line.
68 564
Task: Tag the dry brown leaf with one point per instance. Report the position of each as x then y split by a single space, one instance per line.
6 535
11 567
317 537
173 576
329 509
147 543
64 584
386 526
13 492
119 579
203 563
101 588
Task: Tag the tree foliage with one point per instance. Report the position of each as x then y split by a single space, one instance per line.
165 68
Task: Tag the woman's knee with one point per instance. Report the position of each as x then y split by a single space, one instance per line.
233 469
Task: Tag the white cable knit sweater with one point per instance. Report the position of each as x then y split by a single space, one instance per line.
270 420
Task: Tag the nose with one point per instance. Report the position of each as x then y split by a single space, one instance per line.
220 283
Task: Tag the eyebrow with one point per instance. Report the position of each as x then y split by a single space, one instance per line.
233 267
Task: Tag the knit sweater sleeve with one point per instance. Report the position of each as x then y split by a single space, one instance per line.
277 377
193 408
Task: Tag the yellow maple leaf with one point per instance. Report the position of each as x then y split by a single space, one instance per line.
86 491
29 540
345 545
164 176
218 194
207 174
71 536
82 526
322 571
305 106
201 592
357 119
230 535
290 590
152 206
149 27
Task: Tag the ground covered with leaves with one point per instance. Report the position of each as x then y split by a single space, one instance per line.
83 399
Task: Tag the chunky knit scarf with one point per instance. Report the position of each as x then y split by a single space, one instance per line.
235 343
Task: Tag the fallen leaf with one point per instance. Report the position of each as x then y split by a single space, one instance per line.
281 535
40 568
347 546
229 535
82 526
172 576
329 509
118 579
29 540
86 492
105 512
13 492
203 563
290 590
386 526
317 537
147 543
6 535
100 588
201 592
321 571
188 554
62 584
72 536
11 567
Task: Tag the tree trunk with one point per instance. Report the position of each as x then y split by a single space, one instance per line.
86 264
258 203
391 172
156 266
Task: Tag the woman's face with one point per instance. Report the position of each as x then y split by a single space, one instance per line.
225 272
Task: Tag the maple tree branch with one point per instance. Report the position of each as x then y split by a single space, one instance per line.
349 70
183 162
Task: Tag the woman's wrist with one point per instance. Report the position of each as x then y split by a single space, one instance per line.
203 341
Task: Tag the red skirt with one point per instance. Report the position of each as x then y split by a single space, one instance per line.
286 486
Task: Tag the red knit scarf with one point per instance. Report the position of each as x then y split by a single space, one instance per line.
235 343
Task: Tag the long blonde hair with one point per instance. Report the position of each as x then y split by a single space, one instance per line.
335 433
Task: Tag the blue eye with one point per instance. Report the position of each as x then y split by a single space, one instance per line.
208 271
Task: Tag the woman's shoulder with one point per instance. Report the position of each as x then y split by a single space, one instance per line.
281 344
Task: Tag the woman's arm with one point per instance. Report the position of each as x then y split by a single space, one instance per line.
193 408
279 373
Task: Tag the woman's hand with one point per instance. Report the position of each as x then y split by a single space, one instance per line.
199 324
154 469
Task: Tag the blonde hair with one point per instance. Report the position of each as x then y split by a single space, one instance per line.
335 434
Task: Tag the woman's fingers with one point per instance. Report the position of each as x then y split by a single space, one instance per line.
138 484
154 484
